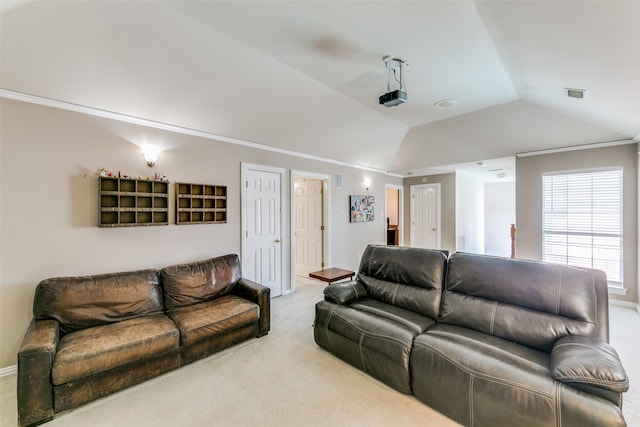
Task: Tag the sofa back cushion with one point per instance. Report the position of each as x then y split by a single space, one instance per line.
532 303
87 301
410 278
187 284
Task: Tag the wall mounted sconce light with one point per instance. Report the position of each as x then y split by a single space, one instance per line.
150 155
367 183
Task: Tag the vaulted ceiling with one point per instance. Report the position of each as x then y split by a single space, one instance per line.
305 76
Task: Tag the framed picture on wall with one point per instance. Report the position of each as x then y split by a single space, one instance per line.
361 208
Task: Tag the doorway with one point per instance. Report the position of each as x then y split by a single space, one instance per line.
309 222
262 226
394 205
425 216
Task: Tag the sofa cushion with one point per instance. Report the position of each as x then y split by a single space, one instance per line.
532 303
87 301
204 320
482 380
470 376
101 348
410 320
588 361
374 344
410 278
187 284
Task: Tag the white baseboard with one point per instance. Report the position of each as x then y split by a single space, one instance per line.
633 305
9 370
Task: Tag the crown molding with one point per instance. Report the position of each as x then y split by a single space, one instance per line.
83 109
576 148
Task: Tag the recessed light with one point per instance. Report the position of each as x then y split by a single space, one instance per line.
444 104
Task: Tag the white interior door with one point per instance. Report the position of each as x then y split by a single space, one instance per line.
425 216
308 226
262 248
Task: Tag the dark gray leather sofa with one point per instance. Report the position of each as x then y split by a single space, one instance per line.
486 341
93 335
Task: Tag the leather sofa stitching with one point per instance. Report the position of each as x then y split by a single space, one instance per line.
483 375
367 333
355 289
471 417
361 354
326 326
493 317
395 292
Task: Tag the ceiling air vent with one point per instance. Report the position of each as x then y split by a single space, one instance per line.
575 93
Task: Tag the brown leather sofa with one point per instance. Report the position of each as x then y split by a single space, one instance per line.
486 341
91 336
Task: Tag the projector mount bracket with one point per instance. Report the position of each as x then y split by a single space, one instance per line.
394 65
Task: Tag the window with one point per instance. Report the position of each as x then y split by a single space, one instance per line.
582 221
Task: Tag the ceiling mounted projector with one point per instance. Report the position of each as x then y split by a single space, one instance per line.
391 99
399 96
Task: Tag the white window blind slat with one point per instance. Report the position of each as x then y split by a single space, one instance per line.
582 221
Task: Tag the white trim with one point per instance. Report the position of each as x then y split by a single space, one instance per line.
326 213
32 99
9 370
400 189
628 304
576 148
617 290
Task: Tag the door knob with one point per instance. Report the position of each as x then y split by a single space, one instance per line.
277 240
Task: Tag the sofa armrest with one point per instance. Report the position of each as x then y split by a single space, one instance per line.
35 358
257 294
345 293
588 361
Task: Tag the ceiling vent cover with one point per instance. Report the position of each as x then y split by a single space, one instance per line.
575 93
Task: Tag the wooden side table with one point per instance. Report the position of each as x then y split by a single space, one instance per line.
331 275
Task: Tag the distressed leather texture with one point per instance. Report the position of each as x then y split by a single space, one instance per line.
83 302
500 342
188 284
95 335
213 317
94 350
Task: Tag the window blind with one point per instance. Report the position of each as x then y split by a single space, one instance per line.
582 221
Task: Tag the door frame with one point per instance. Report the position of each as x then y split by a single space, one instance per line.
326 219
437 186
284 255
400 189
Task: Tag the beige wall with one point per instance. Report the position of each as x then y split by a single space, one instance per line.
448 207
529 172
48 214
392 206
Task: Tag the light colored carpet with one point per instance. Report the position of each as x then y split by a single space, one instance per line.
285 379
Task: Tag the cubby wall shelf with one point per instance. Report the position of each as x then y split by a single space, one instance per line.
201 204
126 202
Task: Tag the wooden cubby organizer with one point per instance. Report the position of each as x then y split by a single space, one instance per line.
201 204
127 202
